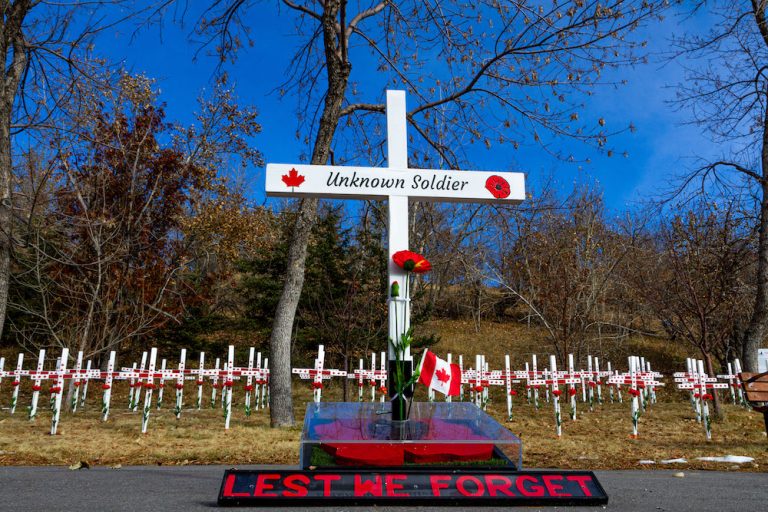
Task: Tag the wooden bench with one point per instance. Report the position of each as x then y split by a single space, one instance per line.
755 386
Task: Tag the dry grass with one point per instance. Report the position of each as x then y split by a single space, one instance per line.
597 440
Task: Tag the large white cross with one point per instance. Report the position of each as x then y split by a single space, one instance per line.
397 185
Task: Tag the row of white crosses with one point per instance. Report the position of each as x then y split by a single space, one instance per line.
141 377
696 381
641 382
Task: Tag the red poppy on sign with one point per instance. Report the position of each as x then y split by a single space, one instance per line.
497 186
411 262
293 178
556 392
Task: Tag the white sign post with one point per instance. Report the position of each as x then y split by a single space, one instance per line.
396 185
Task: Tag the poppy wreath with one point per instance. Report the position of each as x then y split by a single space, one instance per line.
411 262
497 186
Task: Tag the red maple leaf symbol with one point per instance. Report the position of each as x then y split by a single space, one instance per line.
293 178
442 375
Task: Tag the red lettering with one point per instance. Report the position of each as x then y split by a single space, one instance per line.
229 484
479 487
392 486
582 481
290 483
503 486
533 490
262 486
552 488
435 480
372 487
327 479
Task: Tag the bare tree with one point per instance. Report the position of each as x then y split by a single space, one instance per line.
481 72
726 92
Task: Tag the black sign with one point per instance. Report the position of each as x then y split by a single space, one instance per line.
399 486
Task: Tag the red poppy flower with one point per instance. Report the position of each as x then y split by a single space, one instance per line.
557 392
527 386
512 392
317 385
411 262
592 384
105 386
696 395
633 392
372 383
161 386
360 384
479 389
497 186
737 385
228 384
706 396
572 392
149 385
248 388
200 382
15 383
383 390
179 386
77 384
36 387
54 390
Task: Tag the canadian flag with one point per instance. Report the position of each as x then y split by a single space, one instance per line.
439 375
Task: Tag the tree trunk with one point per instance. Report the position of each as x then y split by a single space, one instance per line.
753 338
280 398
6 166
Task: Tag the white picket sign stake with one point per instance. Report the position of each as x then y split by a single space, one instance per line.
249 382
161 385
107 387
76 382
58 390
16 382
228 385
149 385
36 385
85 382
180 383
200 381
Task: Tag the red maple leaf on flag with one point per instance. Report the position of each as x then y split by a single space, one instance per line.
442 375
293 178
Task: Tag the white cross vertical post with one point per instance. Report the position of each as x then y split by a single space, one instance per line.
226 393
610 387
478 388
265 392
180 383
260 384
373 379
486 387
651 386
546 374
448 397
223 389
383 379
598 381
508 387
132 386
730 383
76 381
107 387
736 367
36 385
249 382
572 388
536 388
702 398
644 391
16 382
317 381
215 383
2 366
634 393
58 390
590 383
137 394
528 382
360 382
556 394
52 405
149 384
85 383
461 372
200 381
161 385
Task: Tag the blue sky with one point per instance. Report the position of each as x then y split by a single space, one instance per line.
661 146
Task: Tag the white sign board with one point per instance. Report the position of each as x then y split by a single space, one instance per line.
294 180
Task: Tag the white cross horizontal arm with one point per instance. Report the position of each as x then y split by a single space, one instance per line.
376 183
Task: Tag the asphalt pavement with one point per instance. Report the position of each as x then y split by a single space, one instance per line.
195 488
